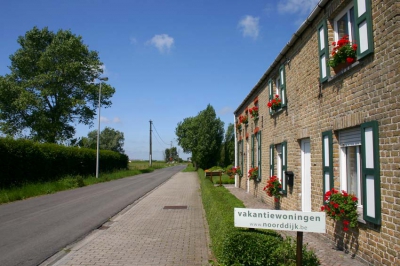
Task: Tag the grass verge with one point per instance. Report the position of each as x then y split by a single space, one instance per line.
237 246
70 182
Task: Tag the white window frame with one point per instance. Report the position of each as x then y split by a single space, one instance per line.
350 26
343 174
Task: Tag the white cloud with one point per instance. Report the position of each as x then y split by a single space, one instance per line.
133 40
249 26
226 110
162 42
297 6
116 120
105 120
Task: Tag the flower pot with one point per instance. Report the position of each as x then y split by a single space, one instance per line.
340 67
276 107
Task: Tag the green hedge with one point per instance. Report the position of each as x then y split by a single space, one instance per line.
24 161
237 246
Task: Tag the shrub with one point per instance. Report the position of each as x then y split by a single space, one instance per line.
244 247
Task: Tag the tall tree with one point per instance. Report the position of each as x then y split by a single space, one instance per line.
171 154
202 136
110 139
229 145
51 86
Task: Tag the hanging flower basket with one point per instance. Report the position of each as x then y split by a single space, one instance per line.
254 113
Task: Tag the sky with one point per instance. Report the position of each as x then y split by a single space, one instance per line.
167 59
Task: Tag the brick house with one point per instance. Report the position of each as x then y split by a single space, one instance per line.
333 129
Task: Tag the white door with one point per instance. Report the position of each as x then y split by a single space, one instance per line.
306 175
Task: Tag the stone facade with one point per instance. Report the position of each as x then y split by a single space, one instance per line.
366 91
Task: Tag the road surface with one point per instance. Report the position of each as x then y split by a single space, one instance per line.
34 229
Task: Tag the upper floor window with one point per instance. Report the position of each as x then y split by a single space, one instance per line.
344 24
354 21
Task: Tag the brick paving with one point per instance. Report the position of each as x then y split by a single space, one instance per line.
322 246
147 234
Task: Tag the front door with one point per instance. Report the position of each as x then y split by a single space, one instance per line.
306 175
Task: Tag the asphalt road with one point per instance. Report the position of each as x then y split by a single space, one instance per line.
32 230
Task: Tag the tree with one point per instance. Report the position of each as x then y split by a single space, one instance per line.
51 87
110 139
171 154
228 151
202 136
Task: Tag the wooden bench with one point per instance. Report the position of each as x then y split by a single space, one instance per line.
211 174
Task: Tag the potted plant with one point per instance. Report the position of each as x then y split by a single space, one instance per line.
273 188
244 119
239 126
275 103
341 206
343 54
253 173
254 113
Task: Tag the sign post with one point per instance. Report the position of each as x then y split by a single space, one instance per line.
282 220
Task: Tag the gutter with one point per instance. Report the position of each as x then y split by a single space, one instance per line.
292 41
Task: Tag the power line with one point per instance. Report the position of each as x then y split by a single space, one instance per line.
159 135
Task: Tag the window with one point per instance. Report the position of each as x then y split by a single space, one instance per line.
344 24
354 20
359 167
281 165
350 163
280 88
259 155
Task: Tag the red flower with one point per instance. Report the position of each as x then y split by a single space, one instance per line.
354 199
350 60
344 193
345 229
336 205
355 47
346 223
269 104
322 208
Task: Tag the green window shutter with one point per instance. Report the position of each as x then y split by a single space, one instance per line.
270 94
271 159
283 84
327 161
371 172
323 51
363 28
259 155
284 167
252 151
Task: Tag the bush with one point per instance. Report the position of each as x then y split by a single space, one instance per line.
236 246
244 247
24 161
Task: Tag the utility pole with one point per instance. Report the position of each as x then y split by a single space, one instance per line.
150 155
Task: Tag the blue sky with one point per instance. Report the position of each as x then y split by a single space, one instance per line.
167 59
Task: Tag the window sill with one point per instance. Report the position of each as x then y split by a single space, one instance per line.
344 70
280 110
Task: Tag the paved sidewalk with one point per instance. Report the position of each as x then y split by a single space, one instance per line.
322 247
147 234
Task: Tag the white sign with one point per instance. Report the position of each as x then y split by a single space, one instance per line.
280 220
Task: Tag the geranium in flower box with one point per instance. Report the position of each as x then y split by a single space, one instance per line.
253 173
275 103
343 53
244 119
273 188
254 112
341 206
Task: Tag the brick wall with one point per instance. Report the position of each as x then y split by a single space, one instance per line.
369 91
